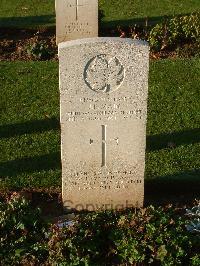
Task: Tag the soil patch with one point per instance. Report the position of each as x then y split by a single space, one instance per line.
16 44
40 44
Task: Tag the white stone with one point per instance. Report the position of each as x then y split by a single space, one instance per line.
103 97
76 19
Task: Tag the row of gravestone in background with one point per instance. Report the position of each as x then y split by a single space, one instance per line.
103 101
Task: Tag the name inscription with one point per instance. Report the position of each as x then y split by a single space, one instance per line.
106 108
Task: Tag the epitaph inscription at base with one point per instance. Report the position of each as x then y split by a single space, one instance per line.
103 97
76 19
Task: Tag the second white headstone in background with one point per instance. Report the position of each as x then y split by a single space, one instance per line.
76 19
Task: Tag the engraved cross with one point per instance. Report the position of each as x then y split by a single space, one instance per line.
77 5
104 143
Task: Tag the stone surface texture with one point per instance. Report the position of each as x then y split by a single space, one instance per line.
103 98
76 19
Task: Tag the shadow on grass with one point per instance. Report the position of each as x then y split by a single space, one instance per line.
27 165
49 21
131 22
178 183
29 127
181 187
28 21
155 142
162 141
145 21
164 186
159 187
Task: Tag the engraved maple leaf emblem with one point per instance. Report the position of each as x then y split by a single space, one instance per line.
103 75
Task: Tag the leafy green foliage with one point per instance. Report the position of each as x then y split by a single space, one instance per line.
154 236
40 51
188 50
174 31
21 231
195 261
151 236
194 221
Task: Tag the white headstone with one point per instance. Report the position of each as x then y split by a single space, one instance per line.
103 97
76 19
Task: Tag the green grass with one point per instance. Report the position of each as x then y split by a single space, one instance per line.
31 13
29 124
27 13
174 117
132 11
30 155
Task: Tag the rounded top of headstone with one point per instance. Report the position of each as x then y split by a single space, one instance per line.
78 42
